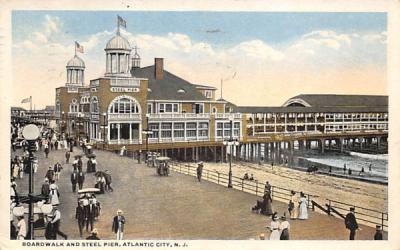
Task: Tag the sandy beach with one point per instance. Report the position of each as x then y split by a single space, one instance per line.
368 195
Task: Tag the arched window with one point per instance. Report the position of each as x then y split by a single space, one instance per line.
58 106
73 107
124 105
94 106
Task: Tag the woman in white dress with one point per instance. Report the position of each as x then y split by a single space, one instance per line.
303 213
54 195
274 228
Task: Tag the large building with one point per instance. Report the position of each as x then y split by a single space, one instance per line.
186 120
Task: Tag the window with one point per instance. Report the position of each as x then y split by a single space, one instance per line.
179 130
191 129
224 129
214 110
113 131
73 108
203 129
198 108
94 108
168 108
208 93
149 108
154 128
124 105
166 130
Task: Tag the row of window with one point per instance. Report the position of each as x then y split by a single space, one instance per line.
224 129
178 129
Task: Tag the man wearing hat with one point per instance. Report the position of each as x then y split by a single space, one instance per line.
118 224
74 180
351 223
378 234
45 187
199 170
50 174
93 236
56 223
81 179
81 216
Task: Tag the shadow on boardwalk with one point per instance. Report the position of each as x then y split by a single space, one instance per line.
176 207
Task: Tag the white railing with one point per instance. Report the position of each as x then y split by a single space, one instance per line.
179 116
128 116
133 141
125 82
180 139
228 115
95 117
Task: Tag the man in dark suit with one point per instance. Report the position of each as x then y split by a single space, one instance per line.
81 216
91 213
351 223
81 179
74 180
118 225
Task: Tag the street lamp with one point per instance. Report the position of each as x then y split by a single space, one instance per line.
31 133
147 132
104 129
231 142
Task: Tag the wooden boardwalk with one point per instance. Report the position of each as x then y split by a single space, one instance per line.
176 207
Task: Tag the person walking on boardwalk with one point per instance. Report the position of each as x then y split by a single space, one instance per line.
21 228
56 223
303 213
91 214
267 204
81 179
293 206
67 156
81 216
284 228
74 180
46 150
267 187
80 163
50 174
118 225
199 170
344 168
54 195
57 169
351 223
378 234
45 190
274 227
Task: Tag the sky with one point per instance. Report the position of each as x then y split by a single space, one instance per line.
263 58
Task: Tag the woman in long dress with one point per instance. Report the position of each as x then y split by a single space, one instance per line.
268 203
274 228
303 213
54 195
294 213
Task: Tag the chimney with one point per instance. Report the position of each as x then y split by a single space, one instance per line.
159 68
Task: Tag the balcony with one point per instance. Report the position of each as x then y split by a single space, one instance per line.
128 116
228 115
175 116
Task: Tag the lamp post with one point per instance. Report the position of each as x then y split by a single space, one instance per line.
231 142
147 132
31 133
104 129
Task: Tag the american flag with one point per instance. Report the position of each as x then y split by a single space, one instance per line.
121 22
78 47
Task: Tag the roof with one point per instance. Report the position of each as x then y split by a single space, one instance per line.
168 87
340 100
297 109
118 42
76 61
200 86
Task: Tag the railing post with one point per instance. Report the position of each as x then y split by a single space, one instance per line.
188 169
180 168
218 178
207 174
382 220
272 192
256 187
242 183
329 207
308 202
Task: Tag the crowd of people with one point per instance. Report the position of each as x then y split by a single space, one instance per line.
88 208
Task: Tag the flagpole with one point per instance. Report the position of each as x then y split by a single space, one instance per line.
75 48
30 98
118 32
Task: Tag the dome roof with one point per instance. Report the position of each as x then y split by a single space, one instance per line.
76 62
118 42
